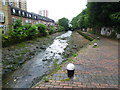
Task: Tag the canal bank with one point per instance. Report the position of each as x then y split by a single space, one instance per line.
32 71
95 69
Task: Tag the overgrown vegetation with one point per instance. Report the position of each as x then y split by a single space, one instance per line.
21 32
85 36
64 22
98 15
46 79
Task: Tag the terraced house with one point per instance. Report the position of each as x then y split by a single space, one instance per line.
10 10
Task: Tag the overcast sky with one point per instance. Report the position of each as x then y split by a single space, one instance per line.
57 8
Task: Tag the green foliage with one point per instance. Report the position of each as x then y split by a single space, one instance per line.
17 33
5 37
80 21
100 13
66 79
74 55
31 32
64 22
51 29
97 15
17 23
116 19
46 79
21 33
85 36
95 47
42 29
113 35
56 65
60 28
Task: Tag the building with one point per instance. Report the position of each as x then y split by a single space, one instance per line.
43 13
22 4
9 13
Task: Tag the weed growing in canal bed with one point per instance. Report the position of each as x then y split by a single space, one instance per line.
74 55
46 79
56 65
67 79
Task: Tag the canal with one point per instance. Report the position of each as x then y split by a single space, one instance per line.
33 70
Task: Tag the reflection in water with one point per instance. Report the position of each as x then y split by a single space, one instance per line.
39 65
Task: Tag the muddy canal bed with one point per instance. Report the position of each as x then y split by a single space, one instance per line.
40 60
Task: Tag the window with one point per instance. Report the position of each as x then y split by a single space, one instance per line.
2 17
19 12
29 15
3 2
23 13
13 11
27 21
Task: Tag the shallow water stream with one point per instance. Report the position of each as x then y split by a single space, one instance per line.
40 65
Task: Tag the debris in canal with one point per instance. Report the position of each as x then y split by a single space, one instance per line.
44 62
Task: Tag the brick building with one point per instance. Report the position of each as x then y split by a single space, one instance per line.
9 12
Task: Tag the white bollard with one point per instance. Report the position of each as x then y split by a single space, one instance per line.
95 44
98 38
70 70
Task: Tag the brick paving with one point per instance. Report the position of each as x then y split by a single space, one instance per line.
94 68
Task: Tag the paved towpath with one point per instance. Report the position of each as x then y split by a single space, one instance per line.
95 68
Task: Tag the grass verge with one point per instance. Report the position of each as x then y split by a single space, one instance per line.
85 36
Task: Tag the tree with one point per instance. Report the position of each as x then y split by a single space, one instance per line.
80 21
64 22
74 23
99 13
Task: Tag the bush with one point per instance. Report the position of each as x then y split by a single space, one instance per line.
18 33
30 31
51 29
17 23
42 29
7 40
85 36
25 32
60 28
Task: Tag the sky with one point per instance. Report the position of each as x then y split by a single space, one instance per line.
57 9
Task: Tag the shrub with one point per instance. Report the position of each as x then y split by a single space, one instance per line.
42 29
6 40
60 28
17 23
51 29
85 36
30 31
17 33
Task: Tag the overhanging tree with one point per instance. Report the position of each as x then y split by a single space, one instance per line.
64 22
